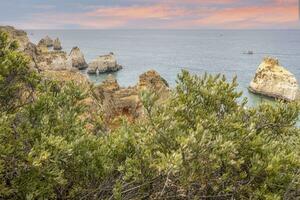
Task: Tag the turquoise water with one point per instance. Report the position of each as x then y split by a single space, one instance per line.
170 51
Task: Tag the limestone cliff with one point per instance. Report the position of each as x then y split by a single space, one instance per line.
118 101
104 64
273 80
57 45
53 60
77 57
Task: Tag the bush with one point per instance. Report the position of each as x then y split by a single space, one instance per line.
17 81
203 143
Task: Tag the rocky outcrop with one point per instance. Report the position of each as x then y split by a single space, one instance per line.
118 101
77 58
67 76
32 52
42 48
273 80
54 60
47 41
152 80
104 64
19 35
57 45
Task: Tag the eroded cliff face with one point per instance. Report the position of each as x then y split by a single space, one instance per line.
273 80
118 101
53 60
57 45
108 99
77 57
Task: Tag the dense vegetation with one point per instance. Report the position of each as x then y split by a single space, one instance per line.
203 143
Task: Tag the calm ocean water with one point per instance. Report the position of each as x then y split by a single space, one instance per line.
170 51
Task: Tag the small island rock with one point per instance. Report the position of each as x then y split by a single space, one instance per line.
104 64
57 45
77 58
273 80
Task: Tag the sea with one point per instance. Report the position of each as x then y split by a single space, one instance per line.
198 51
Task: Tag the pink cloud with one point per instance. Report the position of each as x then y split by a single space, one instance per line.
251 17
171 14
139 12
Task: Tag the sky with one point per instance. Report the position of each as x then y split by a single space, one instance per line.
150 14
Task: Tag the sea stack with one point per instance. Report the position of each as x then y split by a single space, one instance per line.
57 45
77 58
104 64
47 41
275 81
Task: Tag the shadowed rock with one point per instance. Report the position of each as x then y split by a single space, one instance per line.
77 58
57 45
118 101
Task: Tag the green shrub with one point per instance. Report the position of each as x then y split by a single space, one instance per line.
203 143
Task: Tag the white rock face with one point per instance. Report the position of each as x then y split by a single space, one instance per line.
55 60
104 64
77 58
273 80
61 63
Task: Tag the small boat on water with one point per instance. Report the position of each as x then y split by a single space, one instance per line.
249 52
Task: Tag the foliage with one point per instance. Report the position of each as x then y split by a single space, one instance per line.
17 81
203 143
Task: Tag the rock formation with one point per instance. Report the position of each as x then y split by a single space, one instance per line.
104 64
42 48
54 60
67 76
57 45
47 41
118 101
152 80
77 58
32 52
273 80
19 35
114 100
